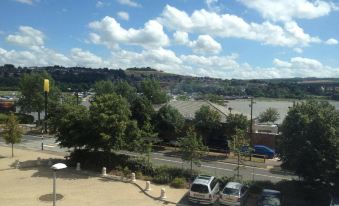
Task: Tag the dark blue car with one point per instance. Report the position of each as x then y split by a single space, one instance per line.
260 150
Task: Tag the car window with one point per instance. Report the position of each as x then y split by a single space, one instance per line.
271 201
230 191
243 189
213 183
199 188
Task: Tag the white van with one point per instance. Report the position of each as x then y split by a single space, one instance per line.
204 190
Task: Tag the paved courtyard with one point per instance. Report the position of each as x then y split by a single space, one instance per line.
32 185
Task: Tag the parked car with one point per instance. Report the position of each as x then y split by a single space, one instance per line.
334 201
234 193
269 198
261 150
204 190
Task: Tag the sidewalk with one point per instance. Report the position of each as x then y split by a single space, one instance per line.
31 185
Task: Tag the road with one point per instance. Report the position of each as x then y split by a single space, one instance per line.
215 167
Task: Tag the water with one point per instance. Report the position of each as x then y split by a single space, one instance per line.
242 106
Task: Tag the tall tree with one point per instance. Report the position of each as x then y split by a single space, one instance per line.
142 110
310 141
168 122
239 140
12 132
125 90
269 115
103 87
236 121
152 90
192 148
110 115
74 128
207 122
32 92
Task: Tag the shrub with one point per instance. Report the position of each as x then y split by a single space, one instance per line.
24 118
3 118
162 178
179 182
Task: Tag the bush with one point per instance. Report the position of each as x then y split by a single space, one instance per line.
3 118
24 118
179 182
162 178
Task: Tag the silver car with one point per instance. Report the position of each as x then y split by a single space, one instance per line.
204 190
234 194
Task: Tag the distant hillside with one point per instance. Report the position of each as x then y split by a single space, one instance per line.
82 78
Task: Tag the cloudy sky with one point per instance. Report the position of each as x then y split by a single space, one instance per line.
219 38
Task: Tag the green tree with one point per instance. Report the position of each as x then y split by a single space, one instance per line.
152 90
310 141
12 132
169 122
32 92
142 110
110 115
234 122
207 122
74 128
125 90
103 87
239 140
192 148
269 115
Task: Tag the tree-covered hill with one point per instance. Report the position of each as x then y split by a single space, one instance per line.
82 78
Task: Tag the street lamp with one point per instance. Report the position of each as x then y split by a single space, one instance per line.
46 90
55 168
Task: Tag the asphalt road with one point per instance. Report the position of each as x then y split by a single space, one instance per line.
214 167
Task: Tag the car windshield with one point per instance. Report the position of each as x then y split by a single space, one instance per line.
271 201
199 188
230 191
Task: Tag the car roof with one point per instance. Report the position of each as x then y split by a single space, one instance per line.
203 179
270 192
234 185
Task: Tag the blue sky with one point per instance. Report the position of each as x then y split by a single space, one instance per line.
226 39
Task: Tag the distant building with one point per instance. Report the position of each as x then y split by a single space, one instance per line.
189 108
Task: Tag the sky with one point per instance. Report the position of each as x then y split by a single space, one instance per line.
228 39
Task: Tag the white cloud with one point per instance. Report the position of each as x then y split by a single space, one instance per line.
88 59
203 45
129 3
27 37
212 5
181 37
123 15
286 10
30 2
101 4
110 33
227 25
331 41
42 57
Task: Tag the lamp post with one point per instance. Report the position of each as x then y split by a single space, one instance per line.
55 168
46 90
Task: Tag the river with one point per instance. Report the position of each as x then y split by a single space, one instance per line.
260 105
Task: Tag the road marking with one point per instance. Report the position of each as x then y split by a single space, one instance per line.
248 166
225 169
285 178
46 145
